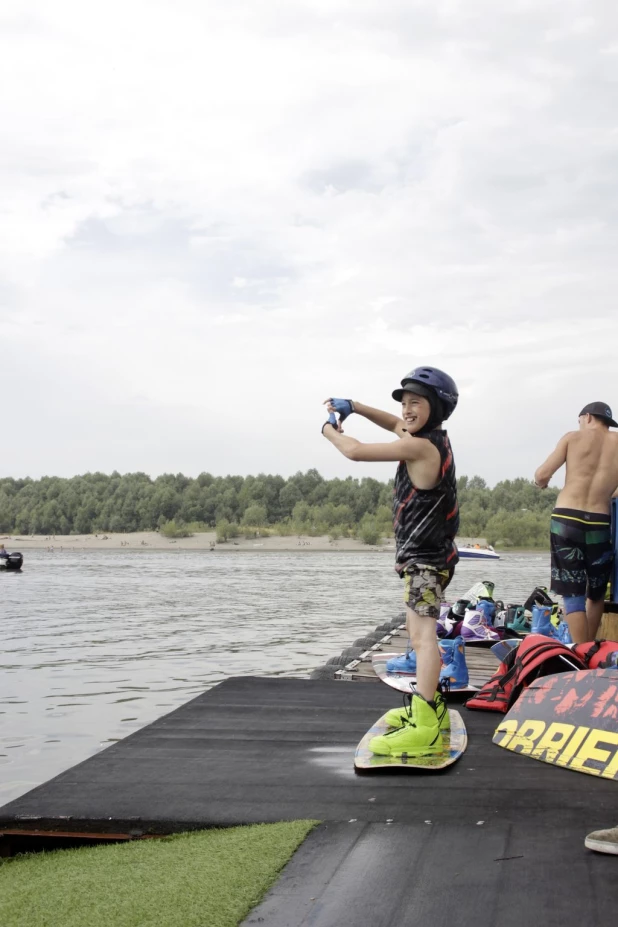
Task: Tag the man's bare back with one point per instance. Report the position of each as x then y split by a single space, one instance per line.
591 470
580 525
591 457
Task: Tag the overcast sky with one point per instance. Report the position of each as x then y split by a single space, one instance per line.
213 215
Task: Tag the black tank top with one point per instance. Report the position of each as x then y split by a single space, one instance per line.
426 520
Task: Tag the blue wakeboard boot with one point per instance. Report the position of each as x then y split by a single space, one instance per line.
563 633
454 673
406 663
487 608
541 621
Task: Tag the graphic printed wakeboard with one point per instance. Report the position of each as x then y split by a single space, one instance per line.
569 720
454 743
403 682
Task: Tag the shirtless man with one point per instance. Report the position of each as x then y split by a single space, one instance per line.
581 536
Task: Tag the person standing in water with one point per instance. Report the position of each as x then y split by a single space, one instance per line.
425 520
580 528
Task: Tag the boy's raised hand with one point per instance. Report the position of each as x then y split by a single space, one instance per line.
332 420
343 407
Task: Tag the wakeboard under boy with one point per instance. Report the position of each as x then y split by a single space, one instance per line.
454 742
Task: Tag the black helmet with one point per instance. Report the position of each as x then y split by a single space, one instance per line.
436 382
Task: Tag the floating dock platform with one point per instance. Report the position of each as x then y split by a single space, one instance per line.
258 750
492 841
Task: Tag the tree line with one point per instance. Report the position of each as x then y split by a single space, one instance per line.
512 513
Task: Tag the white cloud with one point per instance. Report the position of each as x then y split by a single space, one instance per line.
214 216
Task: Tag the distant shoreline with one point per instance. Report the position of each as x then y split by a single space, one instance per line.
204 541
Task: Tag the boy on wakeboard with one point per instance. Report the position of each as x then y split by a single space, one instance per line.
425 521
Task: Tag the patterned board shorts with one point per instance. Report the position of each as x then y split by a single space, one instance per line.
581 553
424 586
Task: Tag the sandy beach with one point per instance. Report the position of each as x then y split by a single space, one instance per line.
152 540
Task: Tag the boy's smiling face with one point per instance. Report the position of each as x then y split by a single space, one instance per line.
415 411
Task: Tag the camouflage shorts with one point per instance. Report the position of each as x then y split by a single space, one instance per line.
424 588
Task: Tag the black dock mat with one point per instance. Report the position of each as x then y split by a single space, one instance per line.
442 875
259 750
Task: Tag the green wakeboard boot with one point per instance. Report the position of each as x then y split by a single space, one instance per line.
418 737
397 717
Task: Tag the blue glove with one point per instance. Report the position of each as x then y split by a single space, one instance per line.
332 420
343 407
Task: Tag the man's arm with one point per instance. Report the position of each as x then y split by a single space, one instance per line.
555 460
406 448
385 420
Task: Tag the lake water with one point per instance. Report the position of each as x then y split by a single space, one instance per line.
95 645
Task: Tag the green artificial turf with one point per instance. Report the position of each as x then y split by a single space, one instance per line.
203 879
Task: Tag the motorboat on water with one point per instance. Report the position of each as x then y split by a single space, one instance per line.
468 552
12 561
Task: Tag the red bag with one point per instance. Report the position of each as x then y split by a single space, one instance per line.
536 656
